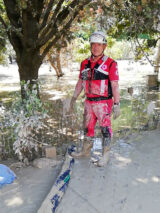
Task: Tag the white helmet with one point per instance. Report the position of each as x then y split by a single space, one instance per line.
98 37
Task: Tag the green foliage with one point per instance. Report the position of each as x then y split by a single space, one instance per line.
119 49
2 45
110 42
31 104
134 20
84 30
133 115
82 50
151 43
142 48
3 57
125 119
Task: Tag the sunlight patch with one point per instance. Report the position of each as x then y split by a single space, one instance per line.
123 159
15 201
155 179
142 180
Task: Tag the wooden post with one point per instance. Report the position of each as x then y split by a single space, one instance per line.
152 81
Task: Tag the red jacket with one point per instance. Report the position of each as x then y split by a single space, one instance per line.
96 80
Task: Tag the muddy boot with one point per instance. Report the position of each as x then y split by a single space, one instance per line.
87 145
105 158
106 152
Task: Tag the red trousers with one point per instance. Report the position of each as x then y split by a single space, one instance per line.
97 110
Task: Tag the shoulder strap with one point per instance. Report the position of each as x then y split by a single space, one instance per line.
88 65
105 58
111 64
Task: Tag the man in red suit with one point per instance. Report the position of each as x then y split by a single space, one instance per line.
99 79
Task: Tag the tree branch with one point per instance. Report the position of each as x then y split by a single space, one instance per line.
58 8
50 44
65 12
145 54
46 14
47 33
63 30
39 5
13 12
49 25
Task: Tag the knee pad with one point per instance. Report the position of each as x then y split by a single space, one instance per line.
105 132
106 136
85 131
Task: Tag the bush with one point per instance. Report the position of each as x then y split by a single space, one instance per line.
23 119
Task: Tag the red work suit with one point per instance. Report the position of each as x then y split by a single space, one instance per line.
97 79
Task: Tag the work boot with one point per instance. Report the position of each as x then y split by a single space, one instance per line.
87 145
106 151
105 158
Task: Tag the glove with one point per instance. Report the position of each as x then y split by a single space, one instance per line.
116 111
68 106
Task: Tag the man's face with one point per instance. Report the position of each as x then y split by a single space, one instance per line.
97 49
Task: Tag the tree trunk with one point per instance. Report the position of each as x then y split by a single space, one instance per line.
157 60
29 63
58 52
54 59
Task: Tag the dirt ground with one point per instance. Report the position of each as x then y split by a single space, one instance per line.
28 191
129 184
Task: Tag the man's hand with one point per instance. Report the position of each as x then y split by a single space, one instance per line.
68 106
77 91
116 111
